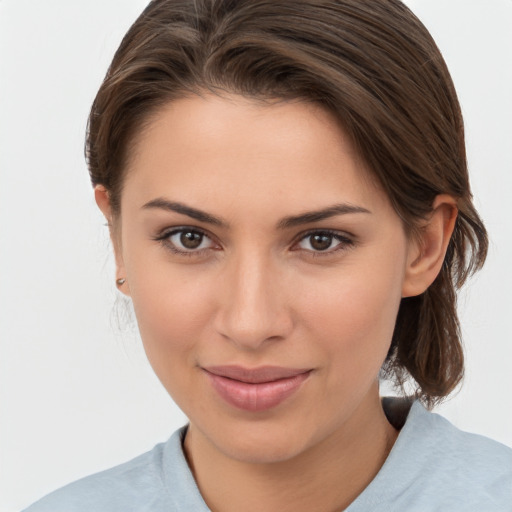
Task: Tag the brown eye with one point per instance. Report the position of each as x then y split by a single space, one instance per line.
191 239
324 241
320 242
186 241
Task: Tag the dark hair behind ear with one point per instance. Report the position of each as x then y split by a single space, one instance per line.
373 65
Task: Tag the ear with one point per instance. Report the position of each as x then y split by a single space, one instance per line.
427 250
103 201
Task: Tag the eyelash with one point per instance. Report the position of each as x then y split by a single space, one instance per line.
345 242
164 239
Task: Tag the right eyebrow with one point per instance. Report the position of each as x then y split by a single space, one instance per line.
194 213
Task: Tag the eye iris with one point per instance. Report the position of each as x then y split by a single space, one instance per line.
321 242
191 240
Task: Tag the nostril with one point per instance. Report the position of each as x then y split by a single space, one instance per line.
250 329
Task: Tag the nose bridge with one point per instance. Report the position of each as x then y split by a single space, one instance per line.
254 310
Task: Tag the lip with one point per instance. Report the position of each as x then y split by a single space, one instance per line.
256 389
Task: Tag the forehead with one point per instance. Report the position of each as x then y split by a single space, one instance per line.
203 147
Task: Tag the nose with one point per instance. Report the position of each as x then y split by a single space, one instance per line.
254 309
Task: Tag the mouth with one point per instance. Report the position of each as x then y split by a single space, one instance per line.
256 389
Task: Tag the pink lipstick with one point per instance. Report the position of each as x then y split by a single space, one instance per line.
255 389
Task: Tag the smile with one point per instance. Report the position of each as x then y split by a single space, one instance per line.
256 389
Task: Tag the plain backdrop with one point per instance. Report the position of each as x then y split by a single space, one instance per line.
76 393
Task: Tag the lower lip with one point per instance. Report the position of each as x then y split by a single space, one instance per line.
256 397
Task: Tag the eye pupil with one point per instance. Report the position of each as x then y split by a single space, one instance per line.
321 242
191 240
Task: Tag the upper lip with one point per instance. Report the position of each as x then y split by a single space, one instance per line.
255 375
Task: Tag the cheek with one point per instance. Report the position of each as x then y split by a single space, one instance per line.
173 308
353 316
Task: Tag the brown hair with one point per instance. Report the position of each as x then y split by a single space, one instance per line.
374 66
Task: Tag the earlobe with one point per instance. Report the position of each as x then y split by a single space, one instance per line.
102 198
426 252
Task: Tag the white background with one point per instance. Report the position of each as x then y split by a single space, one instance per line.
76 394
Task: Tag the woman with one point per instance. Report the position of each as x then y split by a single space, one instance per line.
286 189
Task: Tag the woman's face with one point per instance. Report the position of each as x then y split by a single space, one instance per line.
266 271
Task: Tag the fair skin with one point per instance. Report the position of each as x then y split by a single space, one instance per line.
320 295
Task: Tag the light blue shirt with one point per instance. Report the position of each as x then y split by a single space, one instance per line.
433 466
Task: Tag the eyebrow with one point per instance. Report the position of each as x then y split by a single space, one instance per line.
324 213
194 213
285 223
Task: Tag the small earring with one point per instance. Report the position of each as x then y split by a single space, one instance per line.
120 281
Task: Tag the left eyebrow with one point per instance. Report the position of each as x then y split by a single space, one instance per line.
315 216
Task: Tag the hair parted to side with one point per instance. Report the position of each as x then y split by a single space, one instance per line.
375 67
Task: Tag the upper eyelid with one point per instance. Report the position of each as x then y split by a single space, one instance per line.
347 241
164 235
167 232
331 232
300 236
177 229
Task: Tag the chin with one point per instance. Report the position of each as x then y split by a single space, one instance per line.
261 444
264 453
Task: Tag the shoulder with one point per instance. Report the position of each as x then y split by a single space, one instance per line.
471 471
435 466
133 486
472 455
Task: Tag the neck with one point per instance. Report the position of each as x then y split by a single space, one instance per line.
326 477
